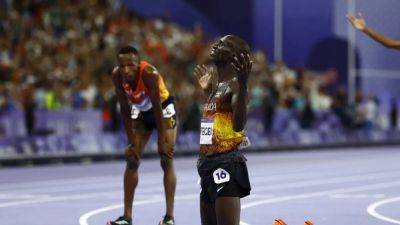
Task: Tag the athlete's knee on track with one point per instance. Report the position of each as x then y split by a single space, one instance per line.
132 162
166 162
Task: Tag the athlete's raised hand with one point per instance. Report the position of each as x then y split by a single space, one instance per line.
357 22
242 65
203 75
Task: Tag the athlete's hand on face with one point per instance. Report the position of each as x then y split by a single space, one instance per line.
203 75
357 22
242 65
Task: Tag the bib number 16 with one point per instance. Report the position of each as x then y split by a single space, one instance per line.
221 176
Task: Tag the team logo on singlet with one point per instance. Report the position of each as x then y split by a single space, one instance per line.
218 94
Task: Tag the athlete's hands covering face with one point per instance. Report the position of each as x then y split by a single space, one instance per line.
203 75
242 65
357 22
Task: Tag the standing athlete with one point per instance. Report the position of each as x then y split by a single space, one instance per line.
221 166
145 105
359 24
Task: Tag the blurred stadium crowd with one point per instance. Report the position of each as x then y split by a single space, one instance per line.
57 55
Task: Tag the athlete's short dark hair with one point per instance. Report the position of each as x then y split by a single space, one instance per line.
127 50
241 45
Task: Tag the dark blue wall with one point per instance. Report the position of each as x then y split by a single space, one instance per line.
305 23
231 17
263 26
177 11
217 17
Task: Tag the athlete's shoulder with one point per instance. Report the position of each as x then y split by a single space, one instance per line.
114 71
149 69
115 75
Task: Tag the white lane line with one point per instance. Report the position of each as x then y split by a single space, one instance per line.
322 193
194 186
116 177
91 183
105 185
59 198
255 180
65 181
307 183
372 210
151 178
21 196
357 196
141 191
267 201
66 198
46 199
83 220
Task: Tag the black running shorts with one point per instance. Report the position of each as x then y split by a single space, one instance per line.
146 120
223 174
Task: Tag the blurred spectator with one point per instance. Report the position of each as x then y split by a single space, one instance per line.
191 120
394 113
7 103
69 48
366 111
307 116
370 112
269 111
28 105
341 109
70 45
269 102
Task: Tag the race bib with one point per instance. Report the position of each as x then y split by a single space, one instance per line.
206 131
169 111
199 183
134 112
221 176
245 143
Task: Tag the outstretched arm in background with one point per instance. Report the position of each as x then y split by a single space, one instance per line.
359 24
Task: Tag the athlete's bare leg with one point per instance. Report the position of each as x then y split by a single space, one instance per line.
227 210
131 177
169 172
207 213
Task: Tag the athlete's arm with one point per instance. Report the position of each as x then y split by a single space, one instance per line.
242 66
150 79
359 24
123 102
386 41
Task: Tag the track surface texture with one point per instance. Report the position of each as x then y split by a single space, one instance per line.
330 187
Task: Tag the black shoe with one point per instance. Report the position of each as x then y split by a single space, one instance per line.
120 221
167 220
